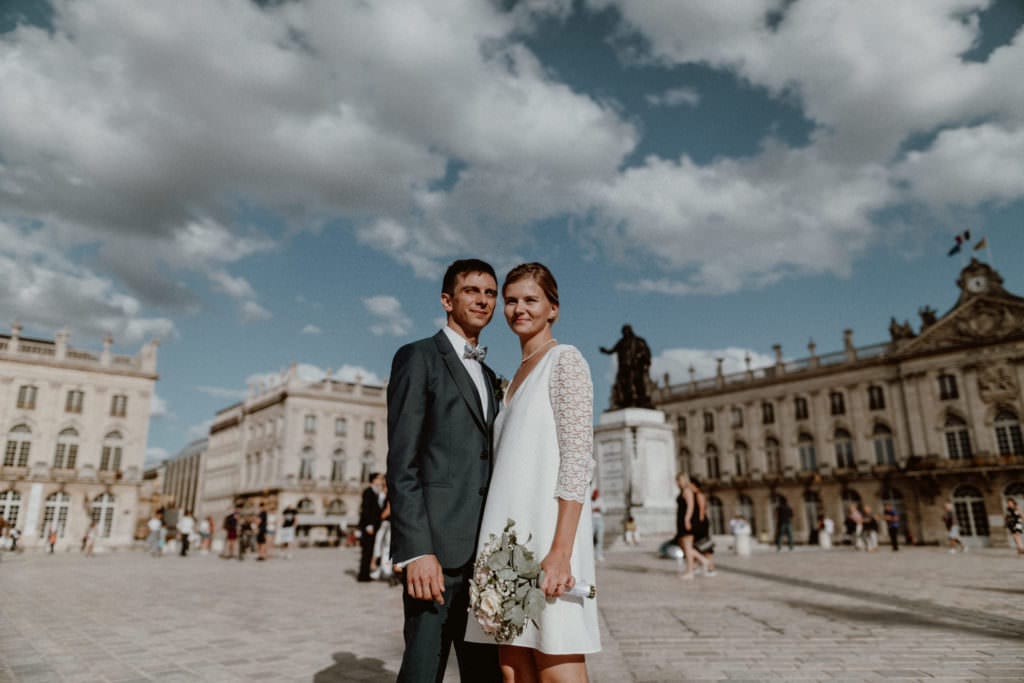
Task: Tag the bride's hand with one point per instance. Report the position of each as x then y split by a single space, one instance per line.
558 576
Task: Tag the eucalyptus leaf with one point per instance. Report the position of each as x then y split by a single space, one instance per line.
534 603
515 616
506 574
498 560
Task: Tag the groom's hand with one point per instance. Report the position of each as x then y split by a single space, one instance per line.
424 579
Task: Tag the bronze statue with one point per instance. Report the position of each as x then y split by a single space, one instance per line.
633 375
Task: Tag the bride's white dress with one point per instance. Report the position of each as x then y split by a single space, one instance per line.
544 441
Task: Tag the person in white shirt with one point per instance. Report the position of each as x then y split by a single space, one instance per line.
186 526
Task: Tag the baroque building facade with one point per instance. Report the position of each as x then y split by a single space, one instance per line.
76 425
929 417
296 443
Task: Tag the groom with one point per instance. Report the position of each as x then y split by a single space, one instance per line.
441 408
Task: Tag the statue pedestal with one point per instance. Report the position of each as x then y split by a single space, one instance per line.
636 471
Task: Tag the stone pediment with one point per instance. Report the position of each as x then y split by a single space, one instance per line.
978 321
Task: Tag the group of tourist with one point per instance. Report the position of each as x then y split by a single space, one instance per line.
186 531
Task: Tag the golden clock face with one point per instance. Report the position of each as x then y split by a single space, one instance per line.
977 284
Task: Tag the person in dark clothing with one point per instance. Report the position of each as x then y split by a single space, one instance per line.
370 513
261 533
783 524
892 524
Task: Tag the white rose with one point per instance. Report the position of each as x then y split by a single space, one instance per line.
490 602
489 625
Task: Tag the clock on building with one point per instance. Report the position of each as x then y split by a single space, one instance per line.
977 284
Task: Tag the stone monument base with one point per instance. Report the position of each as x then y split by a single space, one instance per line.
634 449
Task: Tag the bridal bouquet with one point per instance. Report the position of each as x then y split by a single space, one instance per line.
505 591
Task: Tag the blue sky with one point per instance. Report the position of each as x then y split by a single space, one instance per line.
258 185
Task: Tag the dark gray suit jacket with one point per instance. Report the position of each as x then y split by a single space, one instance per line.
439 453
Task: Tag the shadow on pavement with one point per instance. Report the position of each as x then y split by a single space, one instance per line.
995 589
892 617
348 667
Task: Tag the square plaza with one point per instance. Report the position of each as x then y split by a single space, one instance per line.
919 614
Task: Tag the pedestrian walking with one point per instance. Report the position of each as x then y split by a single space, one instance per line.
892 525
828 528
952 530
783 524
686 525
702 536
230 533
51 538
870 524
597 522
631 535
1015 524
370 513
186 527
286 532
205 534
855 527
90 539
261 533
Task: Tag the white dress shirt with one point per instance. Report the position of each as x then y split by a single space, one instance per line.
472 365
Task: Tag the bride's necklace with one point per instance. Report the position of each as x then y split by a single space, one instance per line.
537 350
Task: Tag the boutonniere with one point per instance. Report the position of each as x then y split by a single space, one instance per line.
500 385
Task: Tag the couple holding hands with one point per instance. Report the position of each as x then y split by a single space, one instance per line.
464 456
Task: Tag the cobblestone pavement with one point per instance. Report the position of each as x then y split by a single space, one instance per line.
920 614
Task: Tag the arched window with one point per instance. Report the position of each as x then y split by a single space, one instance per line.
66 454
716 515
1008 436
110 456
306 464
336 507
685 463
103 513
338 465
741 453
714 468
808 456
885 447
958 439
970 511
812 508
745 507
10 506
844 450
55 514
367 466
19 445
305 507
773 455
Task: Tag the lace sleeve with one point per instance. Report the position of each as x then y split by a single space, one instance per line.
572 398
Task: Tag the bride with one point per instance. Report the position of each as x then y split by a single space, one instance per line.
543 464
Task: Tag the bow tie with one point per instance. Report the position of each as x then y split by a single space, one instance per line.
477 353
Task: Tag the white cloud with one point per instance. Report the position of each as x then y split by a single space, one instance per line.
968 166
677 362
311 329
158 407
154 456
237 287
309 373
253 312
199 431
389 317
675 97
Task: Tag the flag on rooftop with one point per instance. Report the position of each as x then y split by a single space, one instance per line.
960 238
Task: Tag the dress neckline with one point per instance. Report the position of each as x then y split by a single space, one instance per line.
506 401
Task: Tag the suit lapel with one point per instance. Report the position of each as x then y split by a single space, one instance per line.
495 405
461 377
